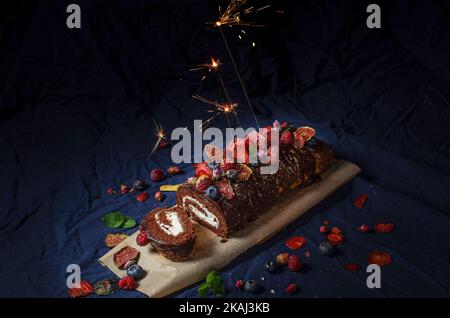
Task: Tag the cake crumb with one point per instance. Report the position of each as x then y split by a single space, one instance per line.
272 292
262 278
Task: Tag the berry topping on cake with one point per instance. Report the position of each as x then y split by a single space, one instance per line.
224 188
212 192
202 169
287 138
203 182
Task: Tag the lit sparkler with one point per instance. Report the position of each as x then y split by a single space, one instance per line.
160 135
212 66
218 109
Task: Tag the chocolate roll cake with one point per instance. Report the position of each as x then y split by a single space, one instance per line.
170 232
223 197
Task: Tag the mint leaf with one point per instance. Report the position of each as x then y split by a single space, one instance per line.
113 219
219 290
129 223
203 289
213 278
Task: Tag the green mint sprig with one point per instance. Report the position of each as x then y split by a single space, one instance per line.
212 284
116 220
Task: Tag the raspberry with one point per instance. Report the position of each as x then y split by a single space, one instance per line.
203 182
294 263
225 166
287 137
291 289
323 229
159 196
141 197
239 284
283 258
156 175
295 242
127 283
173 170
363 228
142 239
360 201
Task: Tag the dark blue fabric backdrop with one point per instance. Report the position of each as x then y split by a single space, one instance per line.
77 110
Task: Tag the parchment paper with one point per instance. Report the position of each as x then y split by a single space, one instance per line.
165 277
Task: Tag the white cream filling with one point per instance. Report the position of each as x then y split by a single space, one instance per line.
203 213
174 227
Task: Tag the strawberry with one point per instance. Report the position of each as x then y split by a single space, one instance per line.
295 242
127 283
294 263
287 138
156 175
142 239
335 239
202 169
360 201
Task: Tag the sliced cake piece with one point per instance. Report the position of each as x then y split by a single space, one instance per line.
170 232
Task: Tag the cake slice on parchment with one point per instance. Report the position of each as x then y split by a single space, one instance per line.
170 232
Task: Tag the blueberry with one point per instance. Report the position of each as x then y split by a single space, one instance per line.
135 271
326 248
212 192
251 286
231 174
213 165
139 185
271 266
254 164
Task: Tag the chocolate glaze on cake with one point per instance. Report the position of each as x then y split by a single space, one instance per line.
297 167
171 232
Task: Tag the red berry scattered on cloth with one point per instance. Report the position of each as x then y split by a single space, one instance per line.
156 175
335 238
127 283
363 228
323 229
141 197
336 230
142 239
84 289
287 138
352 267
110 191
295 242
380 258
384 227
291 289
159 196
360 201
173 170
124 189
239 284
294 263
